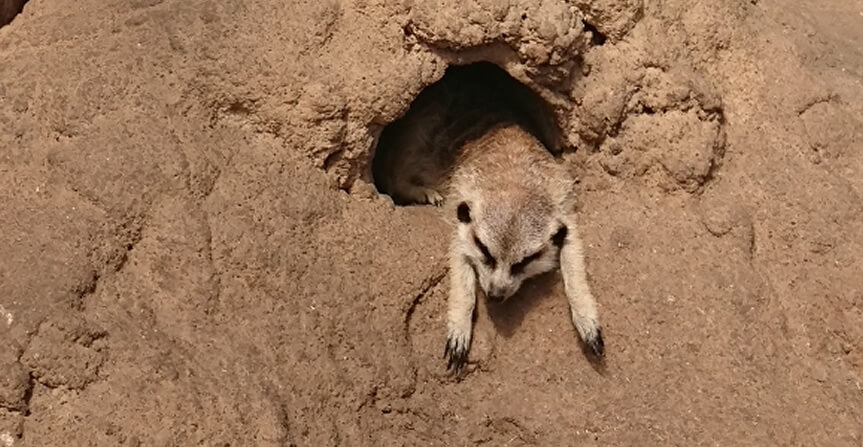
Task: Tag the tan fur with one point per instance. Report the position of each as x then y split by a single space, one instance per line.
519 197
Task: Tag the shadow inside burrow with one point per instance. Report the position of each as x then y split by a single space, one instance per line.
9 9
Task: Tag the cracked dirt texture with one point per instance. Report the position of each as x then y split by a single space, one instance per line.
194 253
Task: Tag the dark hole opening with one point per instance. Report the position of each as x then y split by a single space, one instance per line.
464 104
9 9
596 38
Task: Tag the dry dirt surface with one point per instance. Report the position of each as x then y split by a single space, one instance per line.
194 253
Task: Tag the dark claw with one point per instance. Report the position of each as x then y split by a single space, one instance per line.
457 356
596 345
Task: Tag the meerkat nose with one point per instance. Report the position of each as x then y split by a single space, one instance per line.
496 295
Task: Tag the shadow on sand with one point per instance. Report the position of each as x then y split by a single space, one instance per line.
507 317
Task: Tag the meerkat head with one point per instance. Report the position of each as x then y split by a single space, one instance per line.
507 242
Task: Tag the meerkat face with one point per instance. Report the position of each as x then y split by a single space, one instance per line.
504 249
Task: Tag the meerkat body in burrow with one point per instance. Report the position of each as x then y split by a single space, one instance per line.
416 153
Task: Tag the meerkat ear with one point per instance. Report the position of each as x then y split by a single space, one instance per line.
463 213
560 237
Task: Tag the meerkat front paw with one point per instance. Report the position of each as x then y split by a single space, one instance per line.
422 194
457 347
433 197
591 334
595 343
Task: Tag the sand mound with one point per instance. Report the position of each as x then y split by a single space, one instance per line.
195 253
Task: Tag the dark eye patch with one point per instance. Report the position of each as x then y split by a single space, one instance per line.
559 238
519 267
463 213
488 259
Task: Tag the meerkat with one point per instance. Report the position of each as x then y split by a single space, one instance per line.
515 218
512 202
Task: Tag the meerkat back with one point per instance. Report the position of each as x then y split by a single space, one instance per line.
508 159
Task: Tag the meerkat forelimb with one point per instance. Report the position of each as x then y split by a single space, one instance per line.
582 304
462 301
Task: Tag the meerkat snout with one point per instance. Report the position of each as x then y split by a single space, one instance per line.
499 293
499 286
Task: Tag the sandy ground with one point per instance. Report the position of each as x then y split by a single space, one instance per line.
193 252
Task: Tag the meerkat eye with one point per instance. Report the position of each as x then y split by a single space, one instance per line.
519 267
488 259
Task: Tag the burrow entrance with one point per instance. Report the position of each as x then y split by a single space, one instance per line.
465 103
9 9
